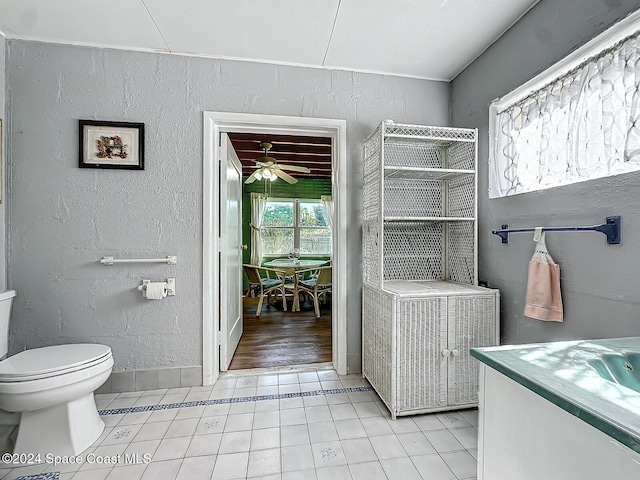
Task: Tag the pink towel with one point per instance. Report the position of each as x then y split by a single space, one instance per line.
543 301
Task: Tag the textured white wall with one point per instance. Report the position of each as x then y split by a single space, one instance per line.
63 219
3 149
599 285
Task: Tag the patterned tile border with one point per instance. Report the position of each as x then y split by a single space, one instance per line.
220 401
42 476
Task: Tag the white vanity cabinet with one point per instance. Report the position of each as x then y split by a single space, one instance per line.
522 435
544 413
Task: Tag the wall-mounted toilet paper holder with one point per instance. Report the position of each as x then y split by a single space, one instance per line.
170 285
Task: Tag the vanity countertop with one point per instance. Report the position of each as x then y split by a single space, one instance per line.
561 373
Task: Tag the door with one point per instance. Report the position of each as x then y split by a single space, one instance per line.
230 251
471 323
421 340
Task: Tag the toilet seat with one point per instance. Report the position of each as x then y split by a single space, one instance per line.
65 383
46 362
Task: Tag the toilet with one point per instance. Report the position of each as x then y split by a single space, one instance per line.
52 390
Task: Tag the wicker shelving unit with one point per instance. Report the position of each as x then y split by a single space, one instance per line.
422 308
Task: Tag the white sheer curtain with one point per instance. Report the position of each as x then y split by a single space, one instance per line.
583 125
258 206
327 203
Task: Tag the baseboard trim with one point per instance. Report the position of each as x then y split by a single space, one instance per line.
152 379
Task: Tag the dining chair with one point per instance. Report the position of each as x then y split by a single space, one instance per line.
265 285
315 287
316 272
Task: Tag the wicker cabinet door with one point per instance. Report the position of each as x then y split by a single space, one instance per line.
421 338
471 323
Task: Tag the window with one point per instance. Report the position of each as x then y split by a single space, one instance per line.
289 224
577 121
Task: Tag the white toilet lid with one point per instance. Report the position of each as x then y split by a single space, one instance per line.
50 361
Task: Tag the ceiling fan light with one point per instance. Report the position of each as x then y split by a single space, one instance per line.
258 175
266 173
273 178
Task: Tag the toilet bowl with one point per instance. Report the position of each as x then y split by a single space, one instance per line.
52 389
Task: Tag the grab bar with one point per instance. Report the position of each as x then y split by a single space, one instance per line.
612 229
170 260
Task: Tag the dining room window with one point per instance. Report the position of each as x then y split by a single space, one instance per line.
290 224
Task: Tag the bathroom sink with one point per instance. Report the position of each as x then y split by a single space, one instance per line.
623 369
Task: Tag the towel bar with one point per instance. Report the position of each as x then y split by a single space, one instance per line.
171 260
612 229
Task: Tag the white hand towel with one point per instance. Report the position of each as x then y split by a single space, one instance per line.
544 300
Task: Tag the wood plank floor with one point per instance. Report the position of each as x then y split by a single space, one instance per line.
278 338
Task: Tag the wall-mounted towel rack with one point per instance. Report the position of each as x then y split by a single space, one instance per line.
612 229
171 260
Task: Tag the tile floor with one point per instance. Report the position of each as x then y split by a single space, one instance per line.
285 431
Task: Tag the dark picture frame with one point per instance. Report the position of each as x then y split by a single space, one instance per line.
111 145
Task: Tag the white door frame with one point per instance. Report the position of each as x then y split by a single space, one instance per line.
216 122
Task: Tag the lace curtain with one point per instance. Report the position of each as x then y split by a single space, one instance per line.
258 206
583 125
327 203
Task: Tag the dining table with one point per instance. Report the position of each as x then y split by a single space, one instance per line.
291 267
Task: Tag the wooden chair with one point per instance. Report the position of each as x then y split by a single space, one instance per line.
315 287
266 286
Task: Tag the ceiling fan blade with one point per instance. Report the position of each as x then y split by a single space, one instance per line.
294 168
252 178
285 176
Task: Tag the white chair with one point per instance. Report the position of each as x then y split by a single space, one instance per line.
315 287
266 286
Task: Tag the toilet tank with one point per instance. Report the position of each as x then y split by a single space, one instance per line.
6 298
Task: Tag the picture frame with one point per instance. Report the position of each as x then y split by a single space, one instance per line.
111 145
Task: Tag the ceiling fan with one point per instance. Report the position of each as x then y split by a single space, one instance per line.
269 169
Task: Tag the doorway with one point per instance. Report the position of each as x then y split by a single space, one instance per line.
280 219
214 125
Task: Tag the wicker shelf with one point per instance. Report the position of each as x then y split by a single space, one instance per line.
431 140
419 197
429 174
422 308
428 219
433 288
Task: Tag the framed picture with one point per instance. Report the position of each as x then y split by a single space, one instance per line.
111 145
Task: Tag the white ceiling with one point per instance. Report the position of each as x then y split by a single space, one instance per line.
431 39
